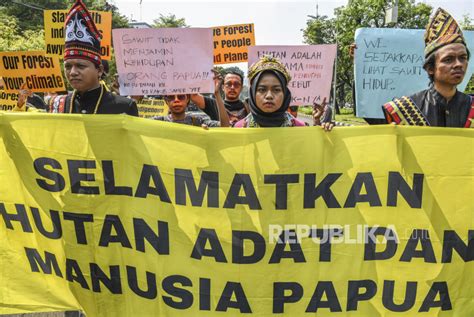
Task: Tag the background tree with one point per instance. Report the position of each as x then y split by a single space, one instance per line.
13 39
357 14
169 21
467 23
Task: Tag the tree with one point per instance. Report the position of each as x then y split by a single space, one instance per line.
320 30
467 23
30 13
341 30
12 40
169 21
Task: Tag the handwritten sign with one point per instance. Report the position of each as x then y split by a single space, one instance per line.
388 64
54 31
149 108
231 43
310 66
164 61
41 73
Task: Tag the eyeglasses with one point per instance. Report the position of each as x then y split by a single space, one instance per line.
170 98
235 84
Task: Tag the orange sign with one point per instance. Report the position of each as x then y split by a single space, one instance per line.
39 72
54 31
231 43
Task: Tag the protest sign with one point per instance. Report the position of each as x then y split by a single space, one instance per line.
164 61
41 73
121 216
311 68
231 43
149 108
388 64
8 100
54 31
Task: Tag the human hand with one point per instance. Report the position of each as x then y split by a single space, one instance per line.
318 111
23 95
218 80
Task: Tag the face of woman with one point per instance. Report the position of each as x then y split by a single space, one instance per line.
269 95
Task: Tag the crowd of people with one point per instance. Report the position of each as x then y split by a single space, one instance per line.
269 102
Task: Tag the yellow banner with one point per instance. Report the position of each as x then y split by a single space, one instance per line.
54 31
231 43
149 108
122 216
8 100
41 73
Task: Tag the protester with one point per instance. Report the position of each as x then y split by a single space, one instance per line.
270 97
236 109
84 70
446 60
177 105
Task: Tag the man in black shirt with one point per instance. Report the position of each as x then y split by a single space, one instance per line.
83 69
235 108
446 60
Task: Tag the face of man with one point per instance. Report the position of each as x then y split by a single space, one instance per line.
177 103
232 87
450 65
82 74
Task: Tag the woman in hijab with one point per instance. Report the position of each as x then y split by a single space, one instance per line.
270 97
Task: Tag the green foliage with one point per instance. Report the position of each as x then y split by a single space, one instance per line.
13 40
467 23
341 30
470 86
320 30
169 21
30 13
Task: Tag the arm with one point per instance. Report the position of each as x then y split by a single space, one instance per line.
318 111
199 101
223 117
133 109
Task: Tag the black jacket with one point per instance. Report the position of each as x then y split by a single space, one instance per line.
86 103
441 113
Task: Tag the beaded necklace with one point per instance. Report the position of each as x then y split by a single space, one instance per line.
71 103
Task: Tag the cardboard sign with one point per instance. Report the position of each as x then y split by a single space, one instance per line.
54 31
388 64
40 72
149 108
310 66
8 100
164 61
231 43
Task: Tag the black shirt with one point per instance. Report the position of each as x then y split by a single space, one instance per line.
87 103
441 113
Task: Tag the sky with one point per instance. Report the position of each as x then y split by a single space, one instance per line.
276 22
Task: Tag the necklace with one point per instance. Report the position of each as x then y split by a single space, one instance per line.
74 93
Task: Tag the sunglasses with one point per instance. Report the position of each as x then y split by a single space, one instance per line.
170 98
232 84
